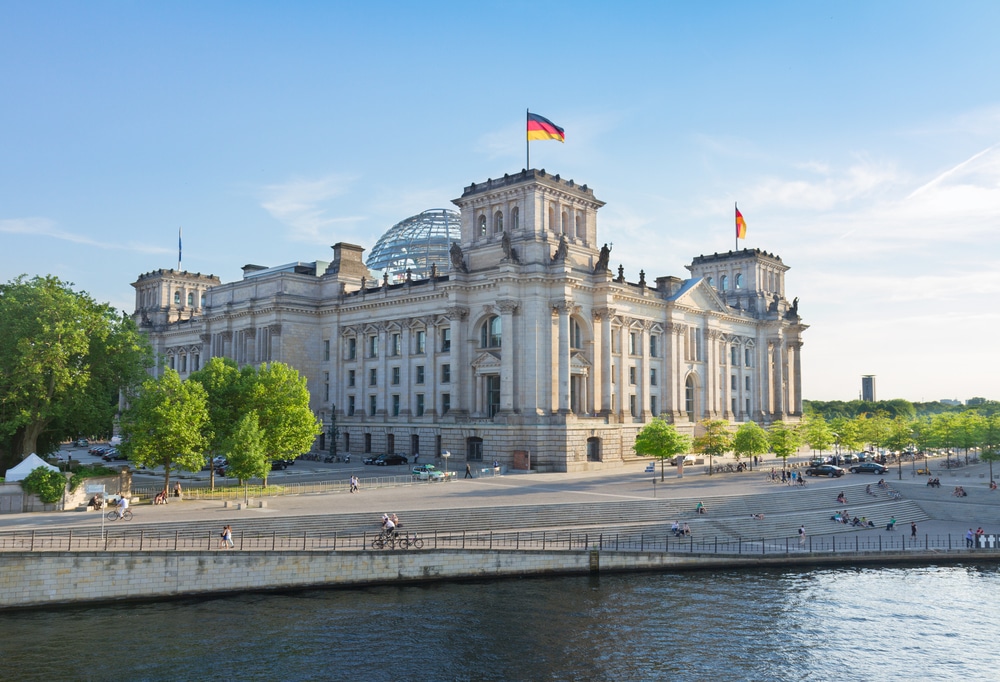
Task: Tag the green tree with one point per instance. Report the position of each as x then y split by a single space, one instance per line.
165 425
991 440
221 379
247 456
784 441
280 398
47 484
716 441
845 433
661 440
750 440
816 432
63 359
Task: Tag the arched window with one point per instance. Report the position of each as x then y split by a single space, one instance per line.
177 298
515 218
482 226
565 223
581 228
490 335
190 299
711 281
203 300
739 280
689 398
553 225
723 283
498 222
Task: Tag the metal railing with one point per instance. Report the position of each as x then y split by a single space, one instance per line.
230 490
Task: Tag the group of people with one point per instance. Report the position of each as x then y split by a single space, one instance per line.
390 522
355 484
680 530
975 538
841 498
933 482
226 538
959 491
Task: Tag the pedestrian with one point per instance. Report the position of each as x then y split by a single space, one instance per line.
416 457
468 470
783 477
177 490
802 535
354 484
970 538
226 540
913 529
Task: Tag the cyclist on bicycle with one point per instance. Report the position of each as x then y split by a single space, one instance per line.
122 506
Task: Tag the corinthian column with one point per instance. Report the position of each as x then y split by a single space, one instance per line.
563 309
507 349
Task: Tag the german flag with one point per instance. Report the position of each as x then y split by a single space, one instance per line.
541 128
741 226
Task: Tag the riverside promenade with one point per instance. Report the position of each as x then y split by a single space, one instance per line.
492 526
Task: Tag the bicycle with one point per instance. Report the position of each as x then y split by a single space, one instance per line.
408 541
113 515
384 539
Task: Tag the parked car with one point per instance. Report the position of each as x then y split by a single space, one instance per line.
830 470
429 472
390 460
869 468
278 464
686 459
850 458
370 459
82 442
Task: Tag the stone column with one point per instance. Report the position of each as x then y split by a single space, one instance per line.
563 309
797 404
605 315
644 387
460 369
779 379
507 351
406 399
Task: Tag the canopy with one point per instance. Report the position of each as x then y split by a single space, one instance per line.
29 464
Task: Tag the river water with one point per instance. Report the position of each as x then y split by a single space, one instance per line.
840 624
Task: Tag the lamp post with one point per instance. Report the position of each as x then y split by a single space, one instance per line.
445 454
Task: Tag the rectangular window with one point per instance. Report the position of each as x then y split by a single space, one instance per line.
734 405
372 377
631 376
395 376
614 340
326 350
351 377
172 362
373 346
395 346
653 343
195 362
492 394
445 402
350 406
368 442
420 374
748 406
347 442
653 407
631 405
734 383
326 386
395 404
652 376
372 405
445 374
446 339
420 404
421 342
746 358
747 383
184 363
734 356
633 348
352 349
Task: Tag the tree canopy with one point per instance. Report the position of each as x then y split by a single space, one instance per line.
750 439
783 439
661 440
716 441
63 359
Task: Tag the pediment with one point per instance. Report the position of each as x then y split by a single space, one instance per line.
698 293
578 360
487 360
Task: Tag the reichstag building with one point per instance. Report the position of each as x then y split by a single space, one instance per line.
499 332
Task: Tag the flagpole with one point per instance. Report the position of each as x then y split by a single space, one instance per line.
736 210
527 142
179 248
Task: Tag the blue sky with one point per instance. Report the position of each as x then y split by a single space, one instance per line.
859 138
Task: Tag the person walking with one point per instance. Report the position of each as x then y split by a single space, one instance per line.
468 470
354 484
226 541
913 529
970 538
802 535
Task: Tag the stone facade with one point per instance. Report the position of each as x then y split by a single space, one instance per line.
526 343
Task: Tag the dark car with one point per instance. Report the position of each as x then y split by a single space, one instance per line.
869 468
370 459
825 470
278 464
389 460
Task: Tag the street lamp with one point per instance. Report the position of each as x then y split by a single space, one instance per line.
445 454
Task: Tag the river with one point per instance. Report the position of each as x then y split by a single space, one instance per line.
908 623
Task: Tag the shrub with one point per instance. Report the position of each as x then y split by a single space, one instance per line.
47 484
89 471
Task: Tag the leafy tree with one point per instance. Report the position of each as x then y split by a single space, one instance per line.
784 440
874 429
715 441
247 456
845 433
63 359
221 379
816 432
991 441
750 440
661 440
280 398
47 484
165 425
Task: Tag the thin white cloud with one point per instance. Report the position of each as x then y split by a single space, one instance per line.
302 205
44 227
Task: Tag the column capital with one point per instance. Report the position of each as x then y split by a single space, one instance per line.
508 306
456 312
603 313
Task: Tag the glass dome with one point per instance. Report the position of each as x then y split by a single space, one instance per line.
417 243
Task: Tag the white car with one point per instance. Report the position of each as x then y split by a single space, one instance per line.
429 472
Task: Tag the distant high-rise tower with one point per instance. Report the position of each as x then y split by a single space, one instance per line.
868 388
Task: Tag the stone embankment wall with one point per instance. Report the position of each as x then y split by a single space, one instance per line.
33 579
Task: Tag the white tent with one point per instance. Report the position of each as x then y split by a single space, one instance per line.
29 464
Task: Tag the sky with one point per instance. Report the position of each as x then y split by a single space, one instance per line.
861 140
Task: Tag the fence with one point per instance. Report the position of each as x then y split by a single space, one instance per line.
178 541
